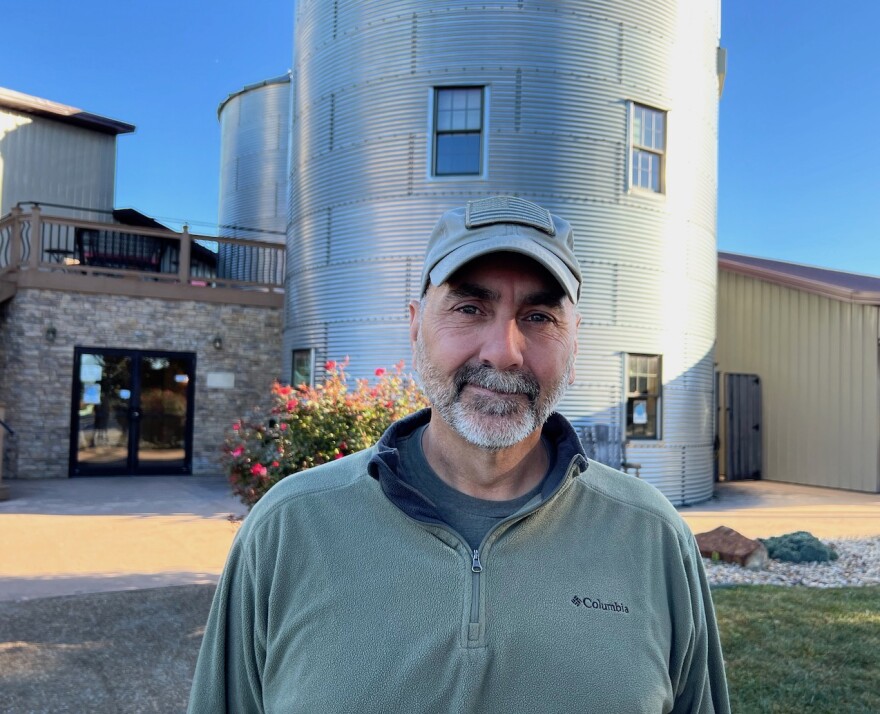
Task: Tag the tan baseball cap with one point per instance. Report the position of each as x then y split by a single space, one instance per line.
502 224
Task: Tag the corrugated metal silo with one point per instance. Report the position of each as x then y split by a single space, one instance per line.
605 112
254 130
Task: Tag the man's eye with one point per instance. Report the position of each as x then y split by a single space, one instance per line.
538 317
467 309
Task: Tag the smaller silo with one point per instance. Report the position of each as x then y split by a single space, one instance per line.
254 126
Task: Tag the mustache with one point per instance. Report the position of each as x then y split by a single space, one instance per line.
506 382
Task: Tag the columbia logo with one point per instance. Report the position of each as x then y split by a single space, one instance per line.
596 604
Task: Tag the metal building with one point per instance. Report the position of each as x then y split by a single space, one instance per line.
254 130
70 155
603 111
798 374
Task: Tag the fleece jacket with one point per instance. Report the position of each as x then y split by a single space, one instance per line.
344 592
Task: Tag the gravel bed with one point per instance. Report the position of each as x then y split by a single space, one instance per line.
858 564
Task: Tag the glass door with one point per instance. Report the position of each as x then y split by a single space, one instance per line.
132 412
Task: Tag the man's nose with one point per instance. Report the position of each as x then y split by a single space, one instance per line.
502 345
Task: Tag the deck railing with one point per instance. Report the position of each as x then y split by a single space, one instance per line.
41 250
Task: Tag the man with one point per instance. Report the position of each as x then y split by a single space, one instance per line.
473 560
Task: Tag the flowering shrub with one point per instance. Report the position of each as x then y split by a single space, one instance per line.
306 426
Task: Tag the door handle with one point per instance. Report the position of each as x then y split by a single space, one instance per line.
135 414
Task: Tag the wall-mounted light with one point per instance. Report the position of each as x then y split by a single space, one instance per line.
51 333
217 342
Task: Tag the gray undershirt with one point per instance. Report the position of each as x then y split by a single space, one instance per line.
470 517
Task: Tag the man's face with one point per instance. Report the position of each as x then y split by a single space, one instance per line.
494 347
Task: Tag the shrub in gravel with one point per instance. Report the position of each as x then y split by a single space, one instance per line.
798 547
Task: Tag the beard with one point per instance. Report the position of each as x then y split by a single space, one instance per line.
516 409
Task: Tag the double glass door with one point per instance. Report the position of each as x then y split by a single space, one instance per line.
132 412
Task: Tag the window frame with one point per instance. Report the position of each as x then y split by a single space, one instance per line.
434 132
631 396
311 360
637 148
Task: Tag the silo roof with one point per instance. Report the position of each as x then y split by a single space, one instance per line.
280 79
18 101
838 284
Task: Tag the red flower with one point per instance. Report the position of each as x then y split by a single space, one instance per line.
338 456
275 464
380 371
238 451
343 445
259 470
284 391
236 426
282 426
330 365
291 405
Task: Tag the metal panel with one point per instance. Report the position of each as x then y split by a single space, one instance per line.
50 162
818 362
362 199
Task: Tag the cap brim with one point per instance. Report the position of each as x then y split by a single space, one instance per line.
444 269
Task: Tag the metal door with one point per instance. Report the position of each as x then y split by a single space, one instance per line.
743 442
132 412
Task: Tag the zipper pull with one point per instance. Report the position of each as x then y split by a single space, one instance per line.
476 565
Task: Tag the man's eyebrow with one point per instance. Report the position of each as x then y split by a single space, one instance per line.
545 298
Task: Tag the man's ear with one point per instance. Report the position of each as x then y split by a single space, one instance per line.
414 306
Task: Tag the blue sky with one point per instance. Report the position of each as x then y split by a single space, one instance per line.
799 155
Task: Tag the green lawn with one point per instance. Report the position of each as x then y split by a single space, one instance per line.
795 649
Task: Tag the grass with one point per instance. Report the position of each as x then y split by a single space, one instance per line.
795 649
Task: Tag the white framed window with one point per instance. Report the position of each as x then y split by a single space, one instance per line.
644 379
302 369
458 131
648 148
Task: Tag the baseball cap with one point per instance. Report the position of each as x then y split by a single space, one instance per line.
502 224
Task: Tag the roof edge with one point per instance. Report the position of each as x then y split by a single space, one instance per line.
18 101
729 262
280 79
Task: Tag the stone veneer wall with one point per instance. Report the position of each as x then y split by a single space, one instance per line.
36 376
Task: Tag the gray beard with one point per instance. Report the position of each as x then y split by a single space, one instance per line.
493 423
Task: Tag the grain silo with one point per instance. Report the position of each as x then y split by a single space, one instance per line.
254 130
605 112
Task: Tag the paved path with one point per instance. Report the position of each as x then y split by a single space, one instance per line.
759 509
85 535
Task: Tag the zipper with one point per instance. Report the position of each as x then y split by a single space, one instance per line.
476 565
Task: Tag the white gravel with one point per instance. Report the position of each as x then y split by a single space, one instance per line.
858 564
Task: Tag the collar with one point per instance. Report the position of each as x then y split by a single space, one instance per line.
384 465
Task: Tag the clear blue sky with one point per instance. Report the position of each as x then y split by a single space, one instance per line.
799 163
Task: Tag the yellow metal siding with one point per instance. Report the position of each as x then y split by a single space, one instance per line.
818 362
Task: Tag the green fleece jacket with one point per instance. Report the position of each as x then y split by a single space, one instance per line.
344 593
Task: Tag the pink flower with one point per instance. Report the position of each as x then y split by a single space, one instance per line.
380 371
291 405
282 426
238 451
275 464
259 470
338 456
236 426
330 365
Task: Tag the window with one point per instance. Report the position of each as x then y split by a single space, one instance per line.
643 397
303 368
648 147
458 131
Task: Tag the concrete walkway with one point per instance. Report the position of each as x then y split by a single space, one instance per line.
760 509
88 535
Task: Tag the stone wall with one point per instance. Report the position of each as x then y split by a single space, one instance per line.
36 374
